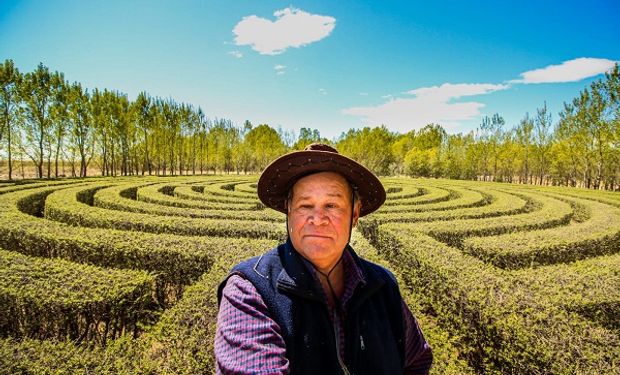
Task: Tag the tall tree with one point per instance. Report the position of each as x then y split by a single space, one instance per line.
81 130
524 140
144 122
37 92
543 140
372 147
266 144
9 106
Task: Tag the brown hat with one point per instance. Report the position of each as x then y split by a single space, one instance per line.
282 173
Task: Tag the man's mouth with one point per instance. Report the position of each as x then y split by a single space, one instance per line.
316 235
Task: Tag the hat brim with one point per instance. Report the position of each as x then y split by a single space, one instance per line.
282 173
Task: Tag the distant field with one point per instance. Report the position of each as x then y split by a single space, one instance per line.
118 275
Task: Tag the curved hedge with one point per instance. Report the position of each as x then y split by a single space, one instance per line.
43 298
506 328
552 212
492 204
463 252
63 206
157 194
176 260
114 198
597 235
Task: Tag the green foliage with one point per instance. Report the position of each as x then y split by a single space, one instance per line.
371 147
502 278
43 298
506 328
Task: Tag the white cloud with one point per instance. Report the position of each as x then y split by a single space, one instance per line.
280 69
323 91
568 71
237 54
363 94
292 28
429 104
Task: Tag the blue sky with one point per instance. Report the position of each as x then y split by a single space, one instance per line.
329 65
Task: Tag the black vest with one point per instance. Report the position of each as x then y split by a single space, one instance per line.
374 334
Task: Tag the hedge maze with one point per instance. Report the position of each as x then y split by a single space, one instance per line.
119 275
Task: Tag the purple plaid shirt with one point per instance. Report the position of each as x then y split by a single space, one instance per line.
248 341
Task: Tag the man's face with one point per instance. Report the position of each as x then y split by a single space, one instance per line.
319 215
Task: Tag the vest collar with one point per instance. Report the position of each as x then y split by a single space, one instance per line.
296 277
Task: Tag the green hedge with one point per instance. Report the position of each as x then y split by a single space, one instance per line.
195 193
176 260
397 189
433 195
230 189
113 198
43 298
156 194
599 234
552 212
590 287
63 206
467 198
495 204
504 328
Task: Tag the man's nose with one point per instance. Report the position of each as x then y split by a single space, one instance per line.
319 216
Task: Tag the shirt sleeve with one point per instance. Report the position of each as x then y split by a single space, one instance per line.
247 340
418 354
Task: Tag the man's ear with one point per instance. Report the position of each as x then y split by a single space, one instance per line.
356 212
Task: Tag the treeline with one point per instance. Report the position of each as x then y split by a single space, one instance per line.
64 129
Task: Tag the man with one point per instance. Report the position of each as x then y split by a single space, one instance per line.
311 305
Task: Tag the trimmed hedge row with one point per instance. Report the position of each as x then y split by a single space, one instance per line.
176 260
552 212
467 198
113 198
157 194
247 187
184 336
497 204
598 235
197 193
44 298
590 287
432 195
63 206
47 357
229 189
402 189
504 327
607 197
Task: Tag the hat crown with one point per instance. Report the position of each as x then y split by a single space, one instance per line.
320 147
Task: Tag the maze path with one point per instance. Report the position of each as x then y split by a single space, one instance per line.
114 198
468 206
551 212
556 318
431 195
505 325
177 260
63 206
599 234
45 298
155 194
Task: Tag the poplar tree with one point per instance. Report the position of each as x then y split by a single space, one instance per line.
9 106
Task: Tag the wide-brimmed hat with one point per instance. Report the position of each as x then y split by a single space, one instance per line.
282 173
